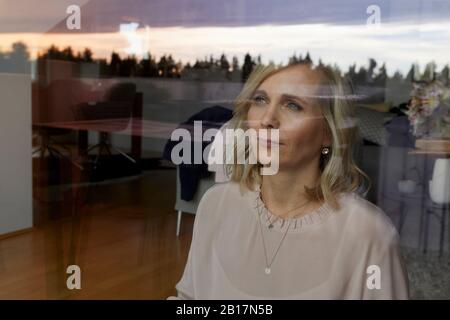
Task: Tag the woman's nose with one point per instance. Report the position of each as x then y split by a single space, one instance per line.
270 118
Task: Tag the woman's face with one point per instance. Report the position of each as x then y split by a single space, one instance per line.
287 101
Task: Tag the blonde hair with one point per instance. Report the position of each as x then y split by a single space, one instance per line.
339 173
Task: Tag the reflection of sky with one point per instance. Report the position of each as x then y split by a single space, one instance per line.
411 31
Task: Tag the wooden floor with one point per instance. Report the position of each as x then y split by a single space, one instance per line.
122 235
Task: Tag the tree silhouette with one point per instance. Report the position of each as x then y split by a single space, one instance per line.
293 60
445 75
235 63
167 67
336 69
103 67
52 53
224 64
307 60
17 60
87 55
173 69
247 68
147 67
361 76
351 73
211 68
371 71
127 67
410 74
114 65
259 59
19 51
162 66
430 71
380 78
397 77
67 54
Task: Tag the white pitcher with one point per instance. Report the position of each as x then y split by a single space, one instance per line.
440 185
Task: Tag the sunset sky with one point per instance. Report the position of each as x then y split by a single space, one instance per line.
335 31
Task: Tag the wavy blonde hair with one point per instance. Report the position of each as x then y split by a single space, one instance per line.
339 173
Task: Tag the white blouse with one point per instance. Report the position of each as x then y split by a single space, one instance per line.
352 253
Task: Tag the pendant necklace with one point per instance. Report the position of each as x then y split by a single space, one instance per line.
267 269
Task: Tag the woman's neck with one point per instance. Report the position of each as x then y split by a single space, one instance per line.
285 190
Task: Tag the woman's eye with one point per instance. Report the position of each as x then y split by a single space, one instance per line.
259 99
294 106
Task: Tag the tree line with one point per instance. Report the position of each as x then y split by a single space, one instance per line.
372 74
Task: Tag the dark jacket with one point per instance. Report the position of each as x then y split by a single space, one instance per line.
190 174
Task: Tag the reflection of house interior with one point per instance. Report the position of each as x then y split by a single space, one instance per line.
92 186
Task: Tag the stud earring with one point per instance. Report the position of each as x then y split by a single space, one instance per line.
325 150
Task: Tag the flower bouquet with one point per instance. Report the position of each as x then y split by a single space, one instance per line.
429 110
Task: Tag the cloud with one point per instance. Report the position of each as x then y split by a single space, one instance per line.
107 15
397 44
411 31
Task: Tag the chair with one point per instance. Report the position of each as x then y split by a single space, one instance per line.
196 177
439 211
52 103
118 103
400 176
50 146
192 205
401 184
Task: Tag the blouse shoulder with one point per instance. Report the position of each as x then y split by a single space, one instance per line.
212 205
218 196
367 221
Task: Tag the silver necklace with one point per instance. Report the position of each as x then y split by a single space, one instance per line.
269 264
269 218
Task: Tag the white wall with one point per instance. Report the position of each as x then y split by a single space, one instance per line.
15 160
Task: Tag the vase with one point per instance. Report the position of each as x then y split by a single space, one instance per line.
440 184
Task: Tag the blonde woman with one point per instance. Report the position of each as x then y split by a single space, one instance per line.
304 232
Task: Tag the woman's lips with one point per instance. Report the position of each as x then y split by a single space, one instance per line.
269 143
